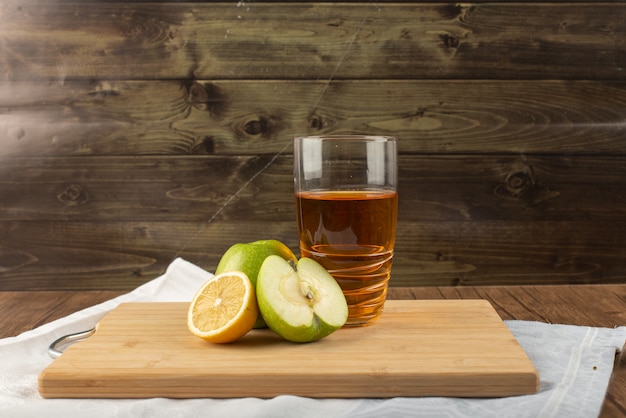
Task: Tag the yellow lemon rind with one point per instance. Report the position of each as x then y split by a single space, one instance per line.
236 327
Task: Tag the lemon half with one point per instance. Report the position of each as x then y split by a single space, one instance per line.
224 309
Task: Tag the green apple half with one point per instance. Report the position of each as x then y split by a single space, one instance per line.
303 304
248 258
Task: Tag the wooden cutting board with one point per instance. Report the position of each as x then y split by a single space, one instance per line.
455 348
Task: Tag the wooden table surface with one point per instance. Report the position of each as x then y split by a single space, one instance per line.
590 305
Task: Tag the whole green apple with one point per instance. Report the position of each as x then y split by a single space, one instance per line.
303 304
248 258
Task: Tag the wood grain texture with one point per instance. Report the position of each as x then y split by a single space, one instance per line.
144 350
22 311
126 126
309 40
228 117
586 305
131 133
117 255
100 223
432 188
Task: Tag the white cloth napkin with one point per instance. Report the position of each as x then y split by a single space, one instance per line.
574 363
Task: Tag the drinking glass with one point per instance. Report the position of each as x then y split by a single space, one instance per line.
346 205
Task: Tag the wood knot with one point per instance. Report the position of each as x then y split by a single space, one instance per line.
197 95
519 182
207 97
522 184
204 145
256 127
315 122
208 144
318 122
73 195
450 41
263 126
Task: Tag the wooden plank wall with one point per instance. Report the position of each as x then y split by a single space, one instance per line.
132 133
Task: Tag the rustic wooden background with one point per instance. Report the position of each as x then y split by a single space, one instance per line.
132 133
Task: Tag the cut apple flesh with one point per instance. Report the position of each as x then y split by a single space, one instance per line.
290 301
328 299
300 305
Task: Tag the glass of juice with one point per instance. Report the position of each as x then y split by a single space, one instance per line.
346 205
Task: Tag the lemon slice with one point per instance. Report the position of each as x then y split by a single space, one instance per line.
224 309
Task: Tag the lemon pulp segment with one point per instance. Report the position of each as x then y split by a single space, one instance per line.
224 308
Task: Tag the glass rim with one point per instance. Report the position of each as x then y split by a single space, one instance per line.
347 137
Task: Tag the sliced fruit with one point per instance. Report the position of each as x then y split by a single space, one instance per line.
224 309
248 257
303 304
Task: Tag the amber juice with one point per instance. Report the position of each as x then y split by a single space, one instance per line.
352 234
